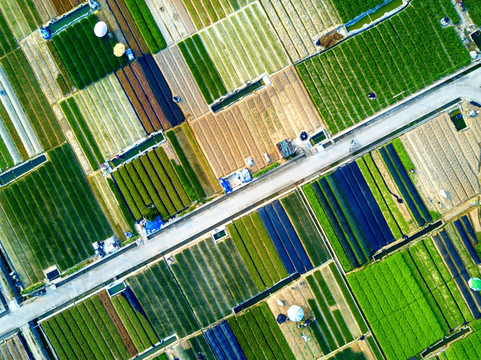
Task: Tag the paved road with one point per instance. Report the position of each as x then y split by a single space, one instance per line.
467 87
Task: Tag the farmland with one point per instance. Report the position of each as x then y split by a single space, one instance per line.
300 23
409 290
330 303
340 80
63 6
223 342
465 348
13 348
35 105
221 62
258 334
474 8
7 41
96 334
73 50
53 202
152 180
214 279
253 126
102 120
446 159
257 250
348 10
21 16
204 13
188 349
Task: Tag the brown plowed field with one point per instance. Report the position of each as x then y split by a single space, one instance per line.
62 6
254 125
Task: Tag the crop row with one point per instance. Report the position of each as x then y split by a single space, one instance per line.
163 302
151 179
6 160
468 237
7 41
474 10
305 228
85 331
259 335
214 279
257 250
51 217
349 9
30 95
382 62
465 348
13 133
86 57
204 13
285 238
21 16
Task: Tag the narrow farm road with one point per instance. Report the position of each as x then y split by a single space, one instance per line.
467 87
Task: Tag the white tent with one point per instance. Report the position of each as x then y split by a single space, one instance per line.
295 313
119 49
100 29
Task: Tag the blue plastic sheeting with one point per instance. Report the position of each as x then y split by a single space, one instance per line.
216 348
223 342
286 261
244 176
153 226
225 185
231 339
467 242
469 229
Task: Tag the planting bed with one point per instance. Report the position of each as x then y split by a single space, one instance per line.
181 82
223 342
21 16
409 300
86 331
259 336
285 238
257 250
7 40
254 125
299 23
213 278
86 57
204 13
188 349
152 180
162 301
14 349
102 120
63 6
465 348
349 9
220 61
394 59
142 98
449 160
35 105
474 10
305 228
50 216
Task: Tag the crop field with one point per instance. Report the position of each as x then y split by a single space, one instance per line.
411 297
50 216
259 335
464 348
299 24
194 162
349 214
152 180
257 250
7 40
17 71
220 61
102 120
394 59
322 298
162 300
181 82
305 228
63 6
349 9
78 40
474 10
9 152
223 342
117 213
142 98
214 279
13 349
161 90
86 331
53 82
285 239
253 126
45 10
445 159
204 13
21 16
189 348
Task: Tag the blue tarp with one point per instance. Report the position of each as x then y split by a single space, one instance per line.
225 185
153 226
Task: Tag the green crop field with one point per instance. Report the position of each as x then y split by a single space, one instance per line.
86 57
151 179
7 41
305 228
221 61
50 216
163 301
213 278
409 290
259 335
257 250
85 331
394 59
349 9
146 24
188 349
465 348
30 95
204 13
474 10
21 16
